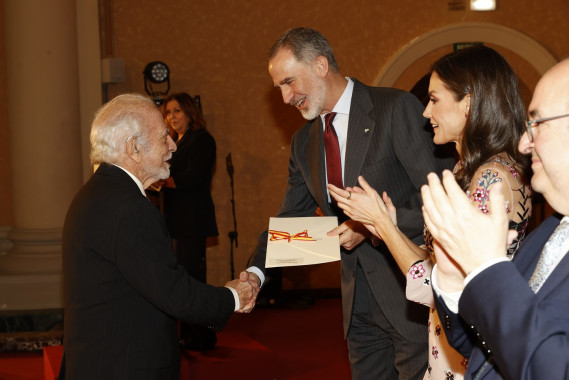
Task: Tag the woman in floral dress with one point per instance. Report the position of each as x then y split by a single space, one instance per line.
474 102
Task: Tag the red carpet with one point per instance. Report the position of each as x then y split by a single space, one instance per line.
266 344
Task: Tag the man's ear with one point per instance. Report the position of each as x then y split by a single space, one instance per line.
321 66
133 149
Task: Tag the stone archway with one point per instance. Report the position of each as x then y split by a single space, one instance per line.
524 46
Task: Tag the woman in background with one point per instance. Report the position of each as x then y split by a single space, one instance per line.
188 207
474 102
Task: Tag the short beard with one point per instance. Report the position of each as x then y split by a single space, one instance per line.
316 101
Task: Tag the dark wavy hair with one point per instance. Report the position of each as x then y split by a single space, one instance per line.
190 108
496 121
306 45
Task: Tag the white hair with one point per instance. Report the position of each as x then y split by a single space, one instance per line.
116 122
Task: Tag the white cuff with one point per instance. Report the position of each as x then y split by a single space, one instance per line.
236 297
259 274
451 299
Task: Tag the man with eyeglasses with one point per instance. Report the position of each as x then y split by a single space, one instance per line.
516 313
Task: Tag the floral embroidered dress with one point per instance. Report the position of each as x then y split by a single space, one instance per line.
444 362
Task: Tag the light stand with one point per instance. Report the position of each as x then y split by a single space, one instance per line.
232 234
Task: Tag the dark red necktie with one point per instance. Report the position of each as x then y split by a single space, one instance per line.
333 160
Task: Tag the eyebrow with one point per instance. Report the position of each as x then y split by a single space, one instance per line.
284 81
534 114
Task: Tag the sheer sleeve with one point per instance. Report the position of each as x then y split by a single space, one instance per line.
517 195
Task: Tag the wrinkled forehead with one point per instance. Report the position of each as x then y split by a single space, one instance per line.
155 121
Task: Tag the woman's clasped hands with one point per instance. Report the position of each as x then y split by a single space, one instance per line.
363 204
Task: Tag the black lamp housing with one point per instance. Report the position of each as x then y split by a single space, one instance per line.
156 72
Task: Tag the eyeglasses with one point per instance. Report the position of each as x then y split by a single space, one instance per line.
534 123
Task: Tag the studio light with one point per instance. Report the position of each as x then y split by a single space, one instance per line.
482 5
156 73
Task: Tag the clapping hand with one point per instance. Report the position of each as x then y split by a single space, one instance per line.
366 206
458 225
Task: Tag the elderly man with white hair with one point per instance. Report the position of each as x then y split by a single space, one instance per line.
123 289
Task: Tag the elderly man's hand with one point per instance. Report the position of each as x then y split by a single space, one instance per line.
245 291
253 280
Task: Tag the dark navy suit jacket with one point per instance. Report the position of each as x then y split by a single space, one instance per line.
507 330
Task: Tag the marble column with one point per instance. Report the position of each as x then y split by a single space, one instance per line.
45 145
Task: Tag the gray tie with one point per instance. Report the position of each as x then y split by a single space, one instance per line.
553 252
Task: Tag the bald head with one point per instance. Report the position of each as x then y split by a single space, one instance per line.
548 146
553 87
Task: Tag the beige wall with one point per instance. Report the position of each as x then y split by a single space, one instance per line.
217 49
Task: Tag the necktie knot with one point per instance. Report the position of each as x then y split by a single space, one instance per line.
329 119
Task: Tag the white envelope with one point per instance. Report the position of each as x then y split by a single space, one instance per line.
301 241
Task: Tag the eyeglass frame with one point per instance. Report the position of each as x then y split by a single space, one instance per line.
531 123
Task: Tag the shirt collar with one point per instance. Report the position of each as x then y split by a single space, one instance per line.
343 104
136 180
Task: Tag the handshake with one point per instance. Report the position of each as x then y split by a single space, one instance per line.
247 287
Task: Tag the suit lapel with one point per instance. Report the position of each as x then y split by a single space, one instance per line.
558 275
526 259
314 153
360 131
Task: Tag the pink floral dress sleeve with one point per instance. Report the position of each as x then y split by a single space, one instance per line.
517 195
419 283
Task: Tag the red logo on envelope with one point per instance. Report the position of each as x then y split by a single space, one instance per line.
281 235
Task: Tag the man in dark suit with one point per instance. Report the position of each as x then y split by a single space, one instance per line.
381 135
515 314
123 289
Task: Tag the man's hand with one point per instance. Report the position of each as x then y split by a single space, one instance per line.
449 274
351 234
253 280
245 292
468 236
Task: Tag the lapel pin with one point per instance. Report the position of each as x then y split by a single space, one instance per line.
366 131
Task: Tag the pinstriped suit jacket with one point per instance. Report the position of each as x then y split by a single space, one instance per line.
389 144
